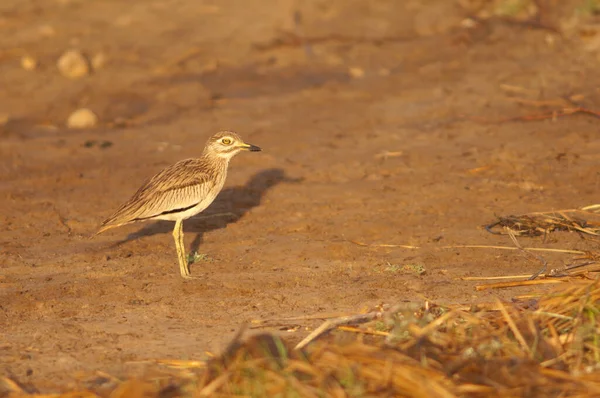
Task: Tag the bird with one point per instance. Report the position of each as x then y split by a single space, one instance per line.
182 190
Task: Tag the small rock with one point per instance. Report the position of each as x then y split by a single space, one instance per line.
356 72
73 64
123 20
4 118
47 30
468 23
28 62
373 177
82 119
99 60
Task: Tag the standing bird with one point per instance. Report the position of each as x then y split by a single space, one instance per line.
182 190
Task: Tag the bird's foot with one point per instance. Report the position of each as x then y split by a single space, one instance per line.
190 277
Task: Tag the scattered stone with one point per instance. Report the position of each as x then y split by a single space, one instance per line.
4 118
99 60
373 177
28 63
82 119
47 30
123 20
468 23
73 64
356 72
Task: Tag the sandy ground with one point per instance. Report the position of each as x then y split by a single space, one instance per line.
376 123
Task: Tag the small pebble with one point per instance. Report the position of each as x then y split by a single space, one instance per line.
82 119
28 63
73 64
98 61
4 118
47 30
123 20
356 73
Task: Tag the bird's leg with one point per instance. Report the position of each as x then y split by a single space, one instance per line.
184 255
178 237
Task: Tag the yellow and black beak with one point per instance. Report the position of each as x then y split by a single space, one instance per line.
251 148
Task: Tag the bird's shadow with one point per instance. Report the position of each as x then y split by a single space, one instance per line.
230 205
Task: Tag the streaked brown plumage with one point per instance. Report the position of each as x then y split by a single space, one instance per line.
182 190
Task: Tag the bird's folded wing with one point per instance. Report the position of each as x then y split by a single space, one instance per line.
167 192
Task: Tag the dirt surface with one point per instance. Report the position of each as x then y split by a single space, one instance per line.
374 123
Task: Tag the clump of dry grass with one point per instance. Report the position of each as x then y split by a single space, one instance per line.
585 220
545 347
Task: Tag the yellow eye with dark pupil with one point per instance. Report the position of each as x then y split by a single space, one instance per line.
226 141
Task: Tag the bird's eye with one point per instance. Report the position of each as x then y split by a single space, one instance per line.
226 141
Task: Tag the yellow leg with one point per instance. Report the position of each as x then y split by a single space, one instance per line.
179 245
183 251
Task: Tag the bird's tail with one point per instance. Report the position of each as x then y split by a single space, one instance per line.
104 227
116 220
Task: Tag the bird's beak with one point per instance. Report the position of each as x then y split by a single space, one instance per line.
251 148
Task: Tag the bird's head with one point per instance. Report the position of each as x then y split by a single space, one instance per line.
226 144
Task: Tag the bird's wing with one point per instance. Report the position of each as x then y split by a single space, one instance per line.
178 187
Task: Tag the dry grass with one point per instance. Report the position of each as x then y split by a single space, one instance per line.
585 220
546 347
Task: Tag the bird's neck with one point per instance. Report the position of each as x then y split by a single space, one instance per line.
214 160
